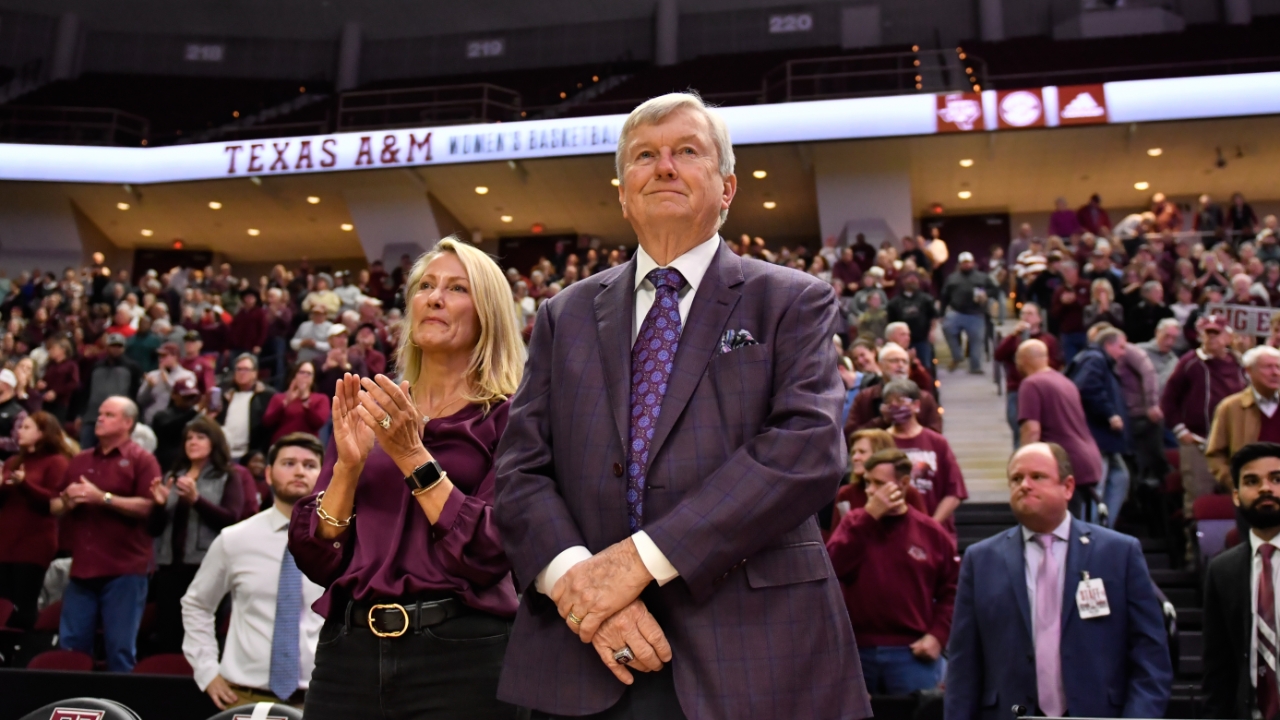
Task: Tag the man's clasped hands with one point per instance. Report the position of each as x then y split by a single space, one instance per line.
599 599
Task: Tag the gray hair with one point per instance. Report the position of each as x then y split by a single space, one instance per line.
1150 285
1108 336
246 356
901 388
655 110
130 408
896 326
1168 323
889 346
1251 356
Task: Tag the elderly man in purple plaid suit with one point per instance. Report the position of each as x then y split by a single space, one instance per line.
675 432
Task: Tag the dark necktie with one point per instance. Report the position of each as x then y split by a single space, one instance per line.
651 360
1268 694
285 668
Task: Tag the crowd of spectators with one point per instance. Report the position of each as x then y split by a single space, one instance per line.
138 414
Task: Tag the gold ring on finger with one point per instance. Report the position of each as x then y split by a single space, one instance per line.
385 422
574 618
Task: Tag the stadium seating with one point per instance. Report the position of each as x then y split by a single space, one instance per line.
164 664
174 106
61 660
1201 50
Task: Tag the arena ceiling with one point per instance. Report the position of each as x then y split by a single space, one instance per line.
1015 172
323 19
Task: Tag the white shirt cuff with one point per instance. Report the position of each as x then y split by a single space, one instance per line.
558 566
654 561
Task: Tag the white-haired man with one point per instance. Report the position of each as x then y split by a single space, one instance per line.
1162 350
705 386
895 364
899 333
1247 416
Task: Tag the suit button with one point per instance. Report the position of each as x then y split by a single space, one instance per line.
617 469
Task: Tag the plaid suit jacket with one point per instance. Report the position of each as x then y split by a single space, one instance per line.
747 448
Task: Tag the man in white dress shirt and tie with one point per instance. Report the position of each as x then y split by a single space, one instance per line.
271 644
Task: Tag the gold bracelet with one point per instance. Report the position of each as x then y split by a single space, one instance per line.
430 487
329 518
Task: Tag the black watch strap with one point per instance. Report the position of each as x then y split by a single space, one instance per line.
425 475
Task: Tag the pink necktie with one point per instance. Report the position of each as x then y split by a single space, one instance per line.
1048 633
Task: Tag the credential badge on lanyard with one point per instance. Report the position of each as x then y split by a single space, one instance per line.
1091 598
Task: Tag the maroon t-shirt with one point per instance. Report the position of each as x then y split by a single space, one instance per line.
898 575
28 532
1052 400
934 470
103 541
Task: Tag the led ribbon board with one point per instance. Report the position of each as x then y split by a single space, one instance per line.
857 118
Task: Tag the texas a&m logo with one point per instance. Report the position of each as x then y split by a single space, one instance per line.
75 714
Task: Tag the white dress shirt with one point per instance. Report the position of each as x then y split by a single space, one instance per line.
1033 555
236 427
693 266
1266 405
1255 572
244 560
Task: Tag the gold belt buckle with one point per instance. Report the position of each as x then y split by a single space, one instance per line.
373 629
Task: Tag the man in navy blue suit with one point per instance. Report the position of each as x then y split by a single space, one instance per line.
1055 615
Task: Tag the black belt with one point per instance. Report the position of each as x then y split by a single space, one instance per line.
393 619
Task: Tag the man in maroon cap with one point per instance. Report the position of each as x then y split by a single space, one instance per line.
168 424
153 395
1202 378
104 502
200 365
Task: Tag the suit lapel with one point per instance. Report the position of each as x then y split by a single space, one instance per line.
1079 550
1241 609
1016 561
615 313
717 295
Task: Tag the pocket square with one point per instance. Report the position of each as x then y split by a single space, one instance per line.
734 339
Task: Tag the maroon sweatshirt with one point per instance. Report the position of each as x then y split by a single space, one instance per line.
63 379
248 329
898 575
28 533
1070 316
1195 388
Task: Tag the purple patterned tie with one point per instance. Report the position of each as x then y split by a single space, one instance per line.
651 360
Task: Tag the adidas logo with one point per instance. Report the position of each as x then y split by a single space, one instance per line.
1082 106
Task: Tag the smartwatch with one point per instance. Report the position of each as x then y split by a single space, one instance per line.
424 476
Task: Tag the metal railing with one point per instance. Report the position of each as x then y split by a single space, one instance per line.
418 107
25 79
867 75
1136 72
294 129
626 105
72 125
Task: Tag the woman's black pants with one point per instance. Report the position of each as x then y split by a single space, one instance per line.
448 671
